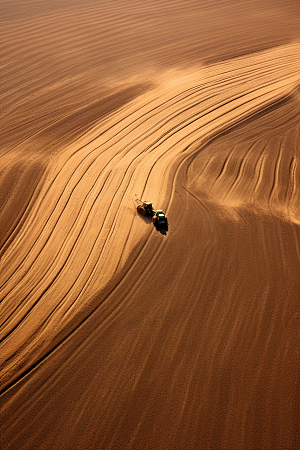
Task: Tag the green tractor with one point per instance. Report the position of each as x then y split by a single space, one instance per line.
159 219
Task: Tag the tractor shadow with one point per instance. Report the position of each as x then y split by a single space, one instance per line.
162 229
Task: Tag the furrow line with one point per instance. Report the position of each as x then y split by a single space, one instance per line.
275 176
258 173
241 170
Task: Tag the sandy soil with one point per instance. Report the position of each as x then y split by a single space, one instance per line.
116 335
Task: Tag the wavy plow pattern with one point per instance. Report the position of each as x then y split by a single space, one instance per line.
261 174
82 225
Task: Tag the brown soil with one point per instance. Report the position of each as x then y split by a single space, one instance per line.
115 334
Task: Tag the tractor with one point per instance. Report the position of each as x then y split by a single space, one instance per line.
158 217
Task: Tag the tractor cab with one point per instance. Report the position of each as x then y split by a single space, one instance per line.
161 218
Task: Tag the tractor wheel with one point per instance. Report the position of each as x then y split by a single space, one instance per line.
154 220
141 210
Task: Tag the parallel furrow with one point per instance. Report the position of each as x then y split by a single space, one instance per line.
75 239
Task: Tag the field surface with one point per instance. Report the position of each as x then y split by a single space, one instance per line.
116 335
